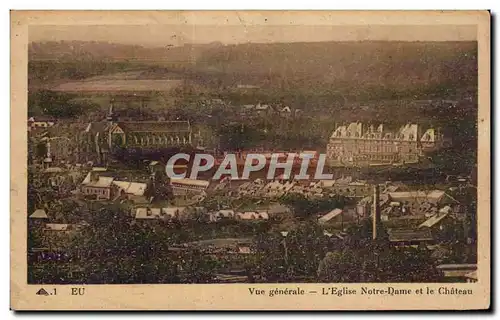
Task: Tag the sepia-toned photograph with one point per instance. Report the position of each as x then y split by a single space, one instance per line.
254 149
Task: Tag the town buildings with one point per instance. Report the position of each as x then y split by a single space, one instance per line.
105 187
358 144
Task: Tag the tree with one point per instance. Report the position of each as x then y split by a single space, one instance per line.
294 256
365 260
57 104
199 268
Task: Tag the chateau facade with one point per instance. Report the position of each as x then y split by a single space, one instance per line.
358 144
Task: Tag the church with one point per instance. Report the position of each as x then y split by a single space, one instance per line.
102 138
149 134
146 134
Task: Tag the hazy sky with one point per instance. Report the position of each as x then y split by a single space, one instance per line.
161 35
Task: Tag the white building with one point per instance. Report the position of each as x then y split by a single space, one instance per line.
185 186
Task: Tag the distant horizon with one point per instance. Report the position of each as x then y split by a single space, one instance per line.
243 43
180 35
154 46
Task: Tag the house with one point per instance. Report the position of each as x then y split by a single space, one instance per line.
433 196
39 214
326 183
335 236
391 188
436 218
132 190
57 227
185 186
155 166
286 109
462 272
221 214
410 237
148 213
167 213
330 215
244 250
216 101
95 184
179 213
40 122
54 170
63 227
262 107
252 215
352 188
425 203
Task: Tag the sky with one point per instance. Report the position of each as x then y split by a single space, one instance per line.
179 34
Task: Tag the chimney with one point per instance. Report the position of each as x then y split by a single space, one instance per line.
376 210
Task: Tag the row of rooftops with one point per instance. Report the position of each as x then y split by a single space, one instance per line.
183 213
407 132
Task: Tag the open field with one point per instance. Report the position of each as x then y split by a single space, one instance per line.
111 85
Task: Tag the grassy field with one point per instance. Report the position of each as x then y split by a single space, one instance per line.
115 85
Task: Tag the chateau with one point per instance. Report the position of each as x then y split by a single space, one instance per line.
358 144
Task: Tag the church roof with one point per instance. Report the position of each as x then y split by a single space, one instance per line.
155 126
